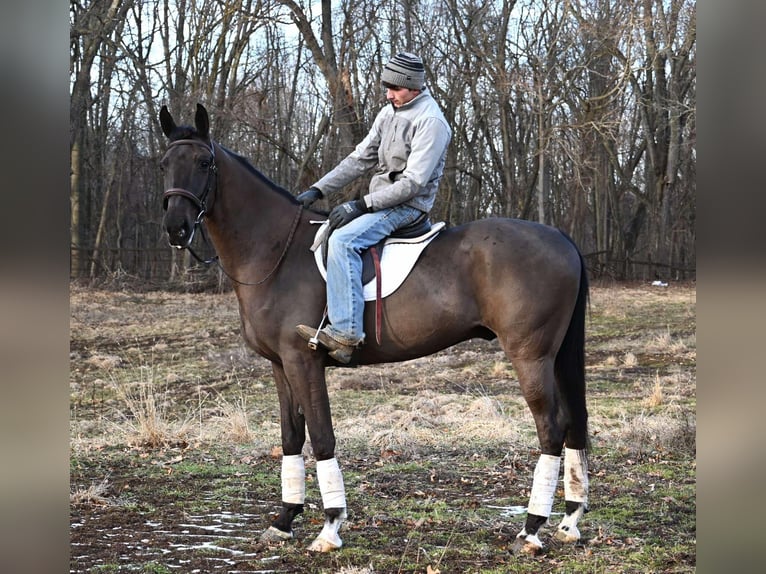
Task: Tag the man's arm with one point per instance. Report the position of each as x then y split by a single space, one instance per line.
355 164
427 148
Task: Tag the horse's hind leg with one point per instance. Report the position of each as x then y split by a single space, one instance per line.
575 493
538 385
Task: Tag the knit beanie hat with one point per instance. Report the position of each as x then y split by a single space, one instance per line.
404 70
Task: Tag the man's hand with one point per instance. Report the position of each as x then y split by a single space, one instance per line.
310 196
345 212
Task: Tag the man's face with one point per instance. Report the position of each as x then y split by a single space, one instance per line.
399 96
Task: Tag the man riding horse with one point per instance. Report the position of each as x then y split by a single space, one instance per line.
407 146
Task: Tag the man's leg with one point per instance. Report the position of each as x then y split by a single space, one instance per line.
345 297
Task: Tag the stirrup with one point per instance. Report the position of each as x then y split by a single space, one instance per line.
337 350
314 341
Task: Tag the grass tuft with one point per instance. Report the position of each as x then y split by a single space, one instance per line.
629 360
147 421
92 495
233 422
674 432
657 397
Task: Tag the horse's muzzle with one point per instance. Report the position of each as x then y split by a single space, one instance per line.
180 232
180 239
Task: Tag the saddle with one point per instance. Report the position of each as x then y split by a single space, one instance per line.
386 265
415 230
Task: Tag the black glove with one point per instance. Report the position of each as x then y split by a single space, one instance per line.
345 212
310 196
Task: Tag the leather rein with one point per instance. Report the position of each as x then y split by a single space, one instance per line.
201 203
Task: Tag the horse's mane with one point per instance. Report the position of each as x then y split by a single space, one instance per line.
252 169
189 132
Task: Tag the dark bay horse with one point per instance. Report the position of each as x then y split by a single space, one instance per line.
520 282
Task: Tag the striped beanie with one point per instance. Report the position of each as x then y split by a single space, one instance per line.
404 70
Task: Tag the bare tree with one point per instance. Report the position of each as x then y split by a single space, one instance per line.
336 76
579 113
92 27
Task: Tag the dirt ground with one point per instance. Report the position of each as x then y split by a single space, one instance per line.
175 458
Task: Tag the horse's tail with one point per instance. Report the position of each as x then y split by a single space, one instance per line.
569 368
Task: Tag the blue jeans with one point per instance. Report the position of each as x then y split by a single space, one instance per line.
345 298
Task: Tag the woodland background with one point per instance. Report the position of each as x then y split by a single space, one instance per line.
577 113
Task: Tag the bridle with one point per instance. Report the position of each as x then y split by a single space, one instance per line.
201 203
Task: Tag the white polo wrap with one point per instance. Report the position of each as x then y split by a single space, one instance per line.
576 475
331 485
544 485
293 479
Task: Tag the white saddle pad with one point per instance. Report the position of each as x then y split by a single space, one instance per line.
399 257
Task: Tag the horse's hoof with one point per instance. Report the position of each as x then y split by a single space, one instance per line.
527 544
321 544
569 534
274 535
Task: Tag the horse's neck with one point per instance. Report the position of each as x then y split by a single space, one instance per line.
249 222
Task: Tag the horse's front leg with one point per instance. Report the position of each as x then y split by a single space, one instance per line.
304 402
333 492
293 476
329 477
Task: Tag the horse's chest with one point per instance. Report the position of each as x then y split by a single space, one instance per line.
258 339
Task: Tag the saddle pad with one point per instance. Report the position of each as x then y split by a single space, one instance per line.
399 257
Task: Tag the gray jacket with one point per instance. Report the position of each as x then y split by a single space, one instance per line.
407 147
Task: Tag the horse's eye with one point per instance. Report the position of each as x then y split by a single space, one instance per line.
204 164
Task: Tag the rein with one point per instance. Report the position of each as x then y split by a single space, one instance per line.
201 203
281 256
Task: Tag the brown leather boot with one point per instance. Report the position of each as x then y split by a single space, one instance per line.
337 350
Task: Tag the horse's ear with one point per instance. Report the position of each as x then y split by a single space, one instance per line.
201 121
166 121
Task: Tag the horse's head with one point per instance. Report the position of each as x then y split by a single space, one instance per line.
190 175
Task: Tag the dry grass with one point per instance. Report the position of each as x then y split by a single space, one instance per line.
500 369
629 360
92 495
666 343
673 431
231 423
657 397
430 420
146 418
